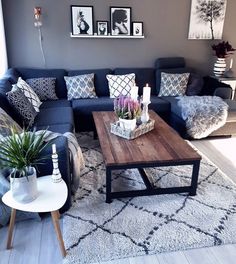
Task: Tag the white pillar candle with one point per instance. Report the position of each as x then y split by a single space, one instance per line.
231 63
54 150
146 93
134 92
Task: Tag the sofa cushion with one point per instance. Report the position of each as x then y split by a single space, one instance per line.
45 88
159 105
174 105
12 75
95 104
120 84
22 105
142 76
60 128
29 93
28 73
195 84
173 84
52 116
100 80
80 86
56 103
170 62
83 111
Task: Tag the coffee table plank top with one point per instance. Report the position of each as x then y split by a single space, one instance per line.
162 144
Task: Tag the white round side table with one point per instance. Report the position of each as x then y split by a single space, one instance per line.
51 197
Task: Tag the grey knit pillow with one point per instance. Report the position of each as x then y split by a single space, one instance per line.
22 105
45 88
80 86
173 84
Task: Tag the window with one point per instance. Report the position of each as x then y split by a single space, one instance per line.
3 52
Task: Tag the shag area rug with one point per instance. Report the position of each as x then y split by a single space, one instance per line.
96 231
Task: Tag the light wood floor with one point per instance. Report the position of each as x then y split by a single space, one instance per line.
35 242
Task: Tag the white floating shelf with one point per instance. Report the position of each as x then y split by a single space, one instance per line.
107 36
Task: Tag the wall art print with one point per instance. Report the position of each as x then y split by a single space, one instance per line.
207 19
82 20
120 20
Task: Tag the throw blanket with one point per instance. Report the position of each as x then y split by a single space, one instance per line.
76 157
203 114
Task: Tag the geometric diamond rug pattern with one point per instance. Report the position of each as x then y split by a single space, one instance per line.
95 231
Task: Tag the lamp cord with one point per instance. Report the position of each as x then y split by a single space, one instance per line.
41 46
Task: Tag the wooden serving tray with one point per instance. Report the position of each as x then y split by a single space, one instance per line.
132 134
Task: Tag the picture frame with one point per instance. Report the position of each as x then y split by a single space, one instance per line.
120 20
82 20
102 28
137 28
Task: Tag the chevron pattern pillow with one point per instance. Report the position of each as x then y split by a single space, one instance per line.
29 93
45 88
120 84
22 105
6 123
80 86
173 84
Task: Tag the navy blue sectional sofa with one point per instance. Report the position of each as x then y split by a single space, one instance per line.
68 116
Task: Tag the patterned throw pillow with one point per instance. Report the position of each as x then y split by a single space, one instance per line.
29 93
173 84
45 88
22 105
120 84
80 86
6 123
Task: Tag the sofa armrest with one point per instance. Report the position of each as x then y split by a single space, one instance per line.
211 84
64 165
223 92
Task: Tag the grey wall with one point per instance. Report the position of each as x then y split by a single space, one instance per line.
165 23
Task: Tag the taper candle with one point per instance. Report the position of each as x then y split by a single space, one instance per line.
146 93
134 92
231 63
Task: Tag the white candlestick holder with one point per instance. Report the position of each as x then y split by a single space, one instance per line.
145 115
56 174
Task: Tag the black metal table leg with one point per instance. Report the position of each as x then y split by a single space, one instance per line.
108 185
195 173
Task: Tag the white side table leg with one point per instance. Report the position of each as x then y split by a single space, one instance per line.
11 227
55 220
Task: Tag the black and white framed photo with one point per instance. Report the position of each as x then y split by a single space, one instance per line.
102 28
207 19
82 20
120 20
137 28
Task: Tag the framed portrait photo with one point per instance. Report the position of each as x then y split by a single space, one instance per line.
120 18
82 20
137 28
102 28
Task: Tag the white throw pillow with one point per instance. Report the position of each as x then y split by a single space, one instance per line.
120 84
173 84
29 93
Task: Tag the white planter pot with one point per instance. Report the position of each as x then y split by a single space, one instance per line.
219 67
127 124
24 189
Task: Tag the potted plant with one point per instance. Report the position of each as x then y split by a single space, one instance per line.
222 50
20 153
127 110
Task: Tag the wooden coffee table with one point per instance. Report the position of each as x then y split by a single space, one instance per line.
159 147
